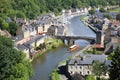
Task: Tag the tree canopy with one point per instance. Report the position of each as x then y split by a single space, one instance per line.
92 11
90 77
102 10
33 8
13 65
118 17
115 65
98 68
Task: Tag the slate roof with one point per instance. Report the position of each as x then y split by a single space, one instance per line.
87 59
33 39
108 62
21 47
17 38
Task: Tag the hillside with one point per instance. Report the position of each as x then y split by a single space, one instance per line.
33 8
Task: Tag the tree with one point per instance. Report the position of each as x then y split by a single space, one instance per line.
118 17
13 65
115 65
4 25
102 10
13 28
90 77
92 12
98 68
107 16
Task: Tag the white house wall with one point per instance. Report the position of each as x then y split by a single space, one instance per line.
40 29
26 34
46 27
39 42
79 69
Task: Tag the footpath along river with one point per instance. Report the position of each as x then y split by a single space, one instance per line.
47 62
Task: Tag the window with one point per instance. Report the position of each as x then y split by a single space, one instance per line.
80 67
80 72
88 72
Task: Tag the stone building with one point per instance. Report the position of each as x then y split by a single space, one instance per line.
100 38
83 65
28 47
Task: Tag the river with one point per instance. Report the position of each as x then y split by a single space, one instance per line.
46 63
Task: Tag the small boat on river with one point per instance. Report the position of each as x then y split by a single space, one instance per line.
73 47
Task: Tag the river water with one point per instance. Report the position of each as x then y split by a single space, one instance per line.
46 63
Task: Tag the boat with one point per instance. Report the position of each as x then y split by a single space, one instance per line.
73 47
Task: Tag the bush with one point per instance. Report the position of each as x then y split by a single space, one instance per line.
90 77
102 10
92 11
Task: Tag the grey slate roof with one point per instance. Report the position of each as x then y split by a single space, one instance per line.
33 39
87 59
108 62
17 38
21 47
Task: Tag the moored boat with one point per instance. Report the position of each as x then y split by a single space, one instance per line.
73 47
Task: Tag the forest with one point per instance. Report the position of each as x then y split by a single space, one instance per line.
32 8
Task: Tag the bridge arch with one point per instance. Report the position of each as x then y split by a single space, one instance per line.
71 39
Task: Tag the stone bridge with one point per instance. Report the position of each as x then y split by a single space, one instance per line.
71 39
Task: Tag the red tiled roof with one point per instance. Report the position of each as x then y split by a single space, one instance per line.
98 46
116 23
118 39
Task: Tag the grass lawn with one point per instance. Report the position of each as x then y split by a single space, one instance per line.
115 10
54 75
83 17
53 43
92 51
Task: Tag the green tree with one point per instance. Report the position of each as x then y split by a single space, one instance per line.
98 68
102 10
13 28
4 25
115 65
118 17
90 77
107 16
92 12
13 65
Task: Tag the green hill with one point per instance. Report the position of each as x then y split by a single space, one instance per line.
33 8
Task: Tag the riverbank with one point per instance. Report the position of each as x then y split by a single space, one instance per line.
115 10
46 63
55 75
63 63
90 26
83 17
50 44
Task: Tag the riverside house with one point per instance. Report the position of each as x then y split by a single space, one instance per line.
30 33
83 66
28 46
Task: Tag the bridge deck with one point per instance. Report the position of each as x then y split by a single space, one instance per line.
75 37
